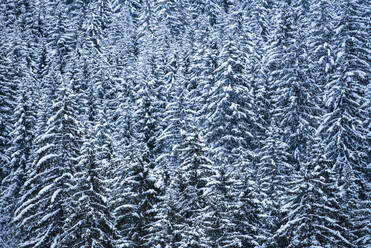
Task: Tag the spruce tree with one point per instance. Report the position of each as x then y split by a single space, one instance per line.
136 213
191 186
90 222
20 155
217 218
246 211
313 215
292 97
226 113
344 126
44 206
272 172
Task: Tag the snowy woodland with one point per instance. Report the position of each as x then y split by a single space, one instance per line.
185 123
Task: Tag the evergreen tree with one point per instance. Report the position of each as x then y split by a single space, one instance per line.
16 121
19 153
191 186
44 206
177 116
11 74
123 55
217 219
320 41
136 212
7 90
247 210
293 107
344 126
171 13
226 113
313 215
272 172
345 94
90 222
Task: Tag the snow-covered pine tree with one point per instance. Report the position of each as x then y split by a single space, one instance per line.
179 105
345 125
90 223
346 93
146 125
59 35
81 56
320 38
312 209
149 83
212 10
105 101
11 73
217 217
246 209
297 103
173 120
190 187
104 147
123 55
226 113
19 152
272 171
171 219
292 96
98 21
259 26
171 14
137 116
17 97
44 205
136 210
203 64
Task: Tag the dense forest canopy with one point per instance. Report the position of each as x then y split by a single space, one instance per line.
185 123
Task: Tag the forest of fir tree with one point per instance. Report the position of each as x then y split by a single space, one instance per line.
185 123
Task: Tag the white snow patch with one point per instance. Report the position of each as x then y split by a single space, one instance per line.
46 158
55 194
45 189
